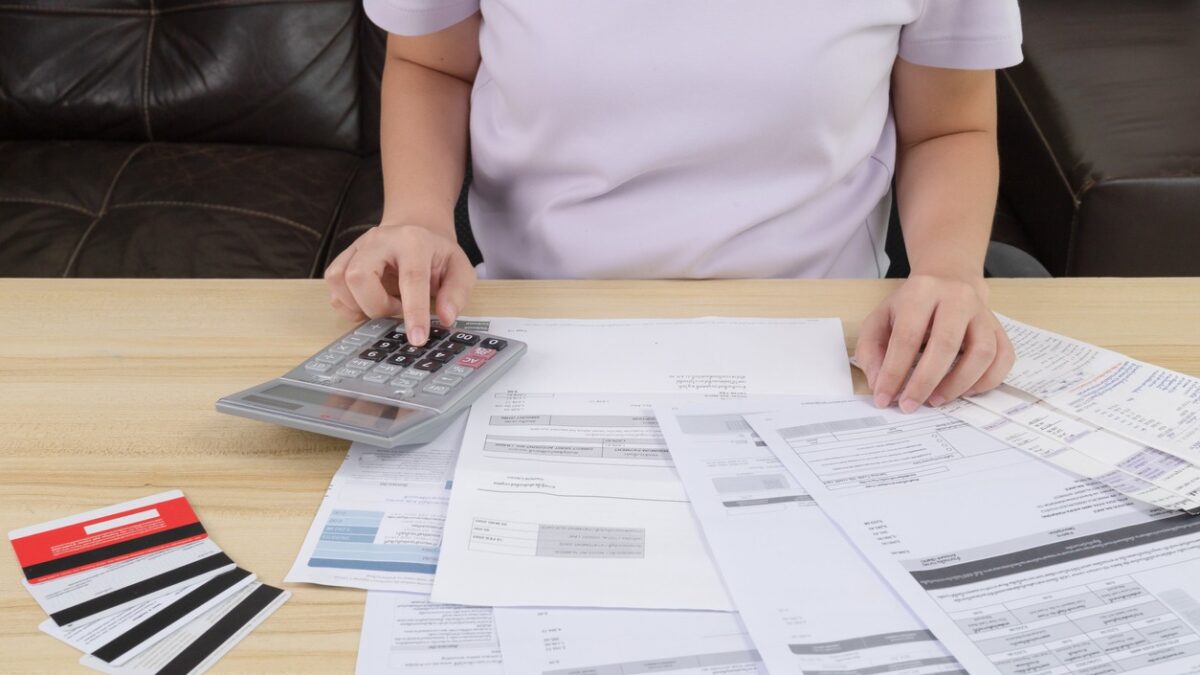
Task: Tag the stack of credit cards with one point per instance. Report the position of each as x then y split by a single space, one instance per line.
140 587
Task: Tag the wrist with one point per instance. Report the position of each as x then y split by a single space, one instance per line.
970 276
439 225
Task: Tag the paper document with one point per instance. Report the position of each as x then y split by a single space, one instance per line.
571 500
379 526
1147 481
618 641
1016 566
405 634
705 356
810 601
1151 405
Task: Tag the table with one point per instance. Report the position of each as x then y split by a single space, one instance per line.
108 389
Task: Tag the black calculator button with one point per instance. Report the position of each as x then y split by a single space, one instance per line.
373 355
397 336
428 365
465 338
436 333
400 360
451 346
412 350
440 355
494 343
387 345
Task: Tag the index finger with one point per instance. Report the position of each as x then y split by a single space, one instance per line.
414 298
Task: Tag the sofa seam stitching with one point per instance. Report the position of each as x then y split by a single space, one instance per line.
328 238
146 72
47 202
224 207
1041 136
103 209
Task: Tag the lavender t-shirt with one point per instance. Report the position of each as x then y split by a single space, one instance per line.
694 138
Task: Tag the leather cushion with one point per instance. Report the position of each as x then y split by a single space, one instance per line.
97 209
1099 148
281 71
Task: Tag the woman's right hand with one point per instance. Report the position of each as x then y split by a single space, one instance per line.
397 270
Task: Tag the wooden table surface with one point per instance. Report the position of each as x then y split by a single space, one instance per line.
107 391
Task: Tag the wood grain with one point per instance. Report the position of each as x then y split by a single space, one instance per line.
107 391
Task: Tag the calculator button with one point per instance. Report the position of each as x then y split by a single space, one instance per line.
356 340
316 378
440 356
428 365
436 389
349 372
459 371
397 336
437 333
494 343
332 357
471 361
373 355
404 383
360 364
377 378
451 346
412 350
343 348
318 366
465 338
414 374
402 392
376 327
448 380
387 368
387 345
401 360
482 353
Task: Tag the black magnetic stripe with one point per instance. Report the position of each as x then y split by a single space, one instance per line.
143 587
220 632
112 551
168 615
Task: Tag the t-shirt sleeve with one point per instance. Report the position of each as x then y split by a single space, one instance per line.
418 17
966 34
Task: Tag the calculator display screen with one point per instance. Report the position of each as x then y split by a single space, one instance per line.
336 407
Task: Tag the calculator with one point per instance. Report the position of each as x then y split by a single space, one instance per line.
372 385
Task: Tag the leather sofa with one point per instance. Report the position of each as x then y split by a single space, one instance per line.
239 138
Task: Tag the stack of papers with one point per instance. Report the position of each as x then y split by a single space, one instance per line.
140 587
674 500
1133 426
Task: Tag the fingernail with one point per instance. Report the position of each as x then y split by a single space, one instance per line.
882 400
871 374
908 405
936 400
452 312
970 392
417 336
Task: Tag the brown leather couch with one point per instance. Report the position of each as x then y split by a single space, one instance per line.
239 138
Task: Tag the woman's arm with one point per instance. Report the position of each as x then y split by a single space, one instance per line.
946 179
414 253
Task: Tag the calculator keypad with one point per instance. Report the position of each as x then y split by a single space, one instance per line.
376 358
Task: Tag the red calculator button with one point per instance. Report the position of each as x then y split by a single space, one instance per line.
482 353
472 361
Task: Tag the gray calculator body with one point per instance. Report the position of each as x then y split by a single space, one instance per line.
372 386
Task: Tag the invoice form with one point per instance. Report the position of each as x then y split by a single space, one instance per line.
1148 404
379 524
810 601
1016 566
404 633
619 641
571 500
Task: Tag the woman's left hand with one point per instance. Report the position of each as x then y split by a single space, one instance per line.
950 317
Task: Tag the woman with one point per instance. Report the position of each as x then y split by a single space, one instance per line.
698 139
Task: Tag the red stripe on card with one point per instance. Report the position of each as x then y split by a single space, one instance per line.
73 539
